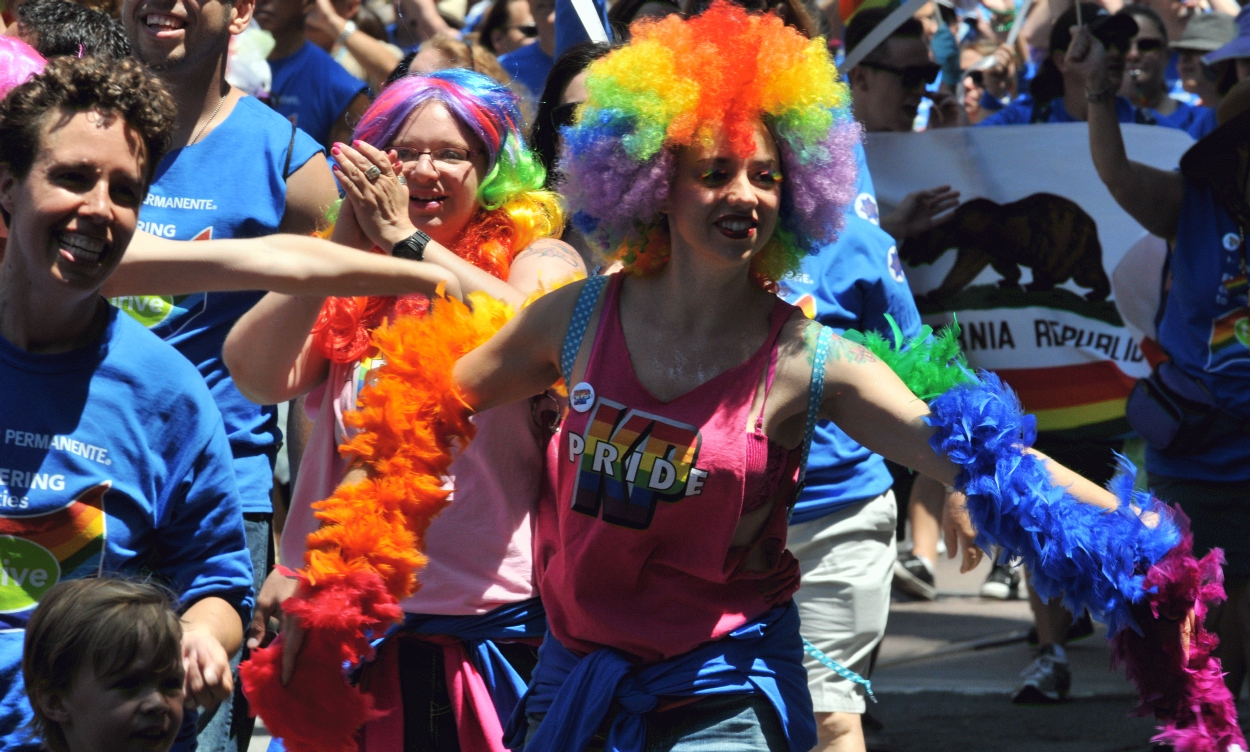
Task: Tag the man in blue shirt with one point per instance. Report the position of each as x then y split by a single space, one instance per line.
309 87
531 64
843 528
1147 61
236 169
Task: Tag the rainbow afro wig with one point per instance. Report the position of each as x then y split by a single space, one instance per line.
514 208
688 82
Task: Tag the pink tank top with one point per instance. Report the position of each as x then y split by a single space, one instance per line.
635 554
480 546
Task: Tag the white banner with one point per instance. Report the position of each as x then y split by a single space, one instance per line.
1026 261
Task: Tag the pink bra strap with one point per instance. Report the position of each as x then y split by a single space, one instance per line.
781 314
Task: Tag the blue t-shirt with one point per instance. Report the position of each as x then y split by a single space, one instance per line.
1197 121
1021 112
229 185
529 65
113 460
1206 330
312 90
851 284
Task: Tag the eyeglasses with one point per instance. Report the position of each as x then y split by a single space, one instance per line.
448 157
530 31
1147 45
977 77
913 76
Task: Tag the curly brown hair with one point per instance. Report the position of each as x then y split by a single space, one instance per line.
71 85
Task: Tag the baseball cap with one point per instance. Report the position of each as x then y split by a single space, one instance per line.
1240 46
1207 32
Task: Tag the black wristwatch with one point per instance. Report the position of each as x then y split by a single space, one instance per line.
411 247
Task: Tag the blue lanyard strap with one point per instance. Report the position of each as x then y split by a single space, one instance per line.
838 668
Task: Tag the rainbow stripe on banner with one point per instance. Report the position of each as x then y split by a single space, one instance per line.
1068 397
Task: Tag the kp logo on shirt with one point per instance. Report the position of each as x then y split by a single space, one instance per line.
629 460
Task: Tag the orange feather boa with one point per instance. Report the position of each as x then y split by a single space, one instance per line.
363 560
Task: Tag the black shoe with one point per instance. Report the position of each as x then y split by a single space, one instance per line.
914 576
1003 583
1046 680
1080 629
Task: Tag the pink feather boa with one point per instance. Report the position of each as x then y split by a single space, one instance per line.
1187 696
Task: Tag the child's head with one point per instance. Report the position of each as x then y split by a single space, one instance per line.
103 667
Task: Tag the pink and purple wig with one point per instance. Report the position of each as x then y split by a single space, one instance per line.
488 108
682 83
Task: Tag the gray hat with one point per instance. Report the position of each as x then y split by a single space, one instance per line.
1207 32
1239 47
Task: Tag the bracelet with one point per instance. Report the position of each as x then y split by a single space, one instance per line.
1098 97
348 29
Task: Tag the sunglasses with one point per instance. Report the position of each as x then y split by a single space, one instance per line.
528 31
1147 45
913 76
977 77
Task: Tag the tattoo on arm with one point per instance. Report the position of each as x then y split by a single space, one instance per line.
551 249
840 349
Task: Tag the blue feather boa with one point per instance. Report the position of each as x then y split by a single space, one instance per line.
1093 557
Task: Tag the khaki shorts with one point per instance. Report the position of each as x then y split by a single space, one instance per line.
847 560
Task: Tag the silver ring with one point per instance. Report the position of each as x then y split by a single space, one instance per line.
402 180
373 173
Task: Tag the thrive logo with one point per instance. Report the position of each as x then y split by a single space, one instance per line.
628 460
36 551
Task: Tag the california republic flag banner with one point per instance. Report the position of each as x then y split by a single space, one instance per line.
1027 260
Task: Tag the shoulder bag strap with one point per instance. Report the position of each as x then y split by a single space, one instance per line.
577 325
815 395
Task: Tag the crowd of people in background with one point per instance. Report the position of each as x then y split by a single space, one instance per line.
288 138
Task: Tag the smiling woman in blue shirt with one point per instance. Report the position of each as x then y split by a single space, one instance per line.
116 457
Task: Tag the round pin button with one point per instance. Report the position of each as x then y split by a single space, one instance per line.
582 397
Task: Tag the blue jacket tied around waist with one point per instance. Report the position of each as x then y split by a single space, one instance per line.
764 656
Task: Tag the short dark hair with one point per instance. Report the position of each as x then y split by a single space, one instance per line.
545 133
104 623
121 87
863 22
495 18
1138 12
62 28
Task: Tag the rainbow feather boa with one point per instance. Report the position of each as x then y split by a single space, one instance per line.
363 560
1143 581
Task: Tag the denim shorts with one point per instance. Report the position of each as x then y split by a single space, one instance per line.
724 723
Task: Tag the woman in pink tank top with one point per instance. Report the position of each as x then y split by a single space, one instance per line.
707 167
456 647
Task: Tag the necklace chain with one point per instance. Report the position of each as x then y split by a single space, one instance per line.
204 127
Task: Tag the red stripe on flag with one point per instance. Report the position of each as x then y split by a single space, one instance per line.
1067 386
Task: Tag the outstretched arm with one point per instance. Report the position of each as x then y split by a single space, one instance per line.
289 264
1151 196
869 401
